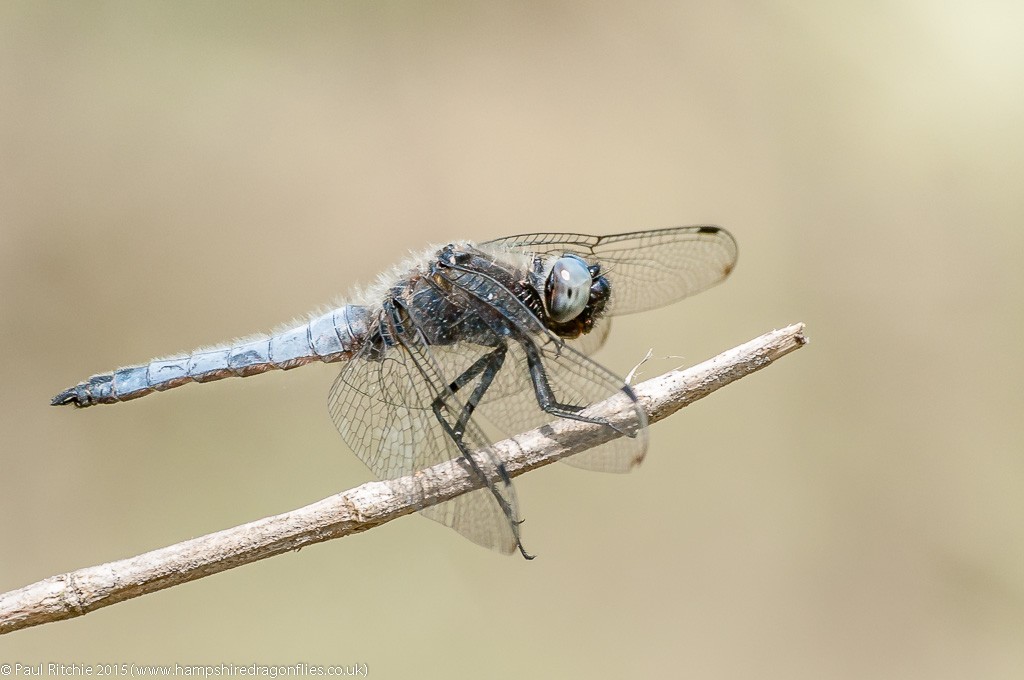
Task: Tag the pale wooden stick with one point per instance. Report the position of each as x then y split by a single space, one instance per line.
364 507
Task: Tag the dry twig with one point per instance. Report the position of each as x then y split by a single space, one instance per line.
364 507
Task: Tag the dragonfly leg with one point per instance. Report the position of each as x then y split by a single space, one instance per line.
487 368
546 396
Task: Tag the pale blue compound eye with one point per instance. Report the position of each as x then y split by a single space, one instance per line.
568 288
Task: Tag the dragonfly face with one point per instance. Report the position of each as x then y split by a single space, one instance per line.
575 294
567 291
496 334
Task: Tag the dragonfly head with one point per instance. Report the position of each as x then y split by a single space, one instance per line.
575 294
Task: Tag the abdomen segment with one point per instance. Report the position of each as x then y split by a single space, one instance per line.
334 336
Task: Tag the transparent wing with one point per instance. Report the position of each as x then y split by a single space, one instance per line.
646 269
382 403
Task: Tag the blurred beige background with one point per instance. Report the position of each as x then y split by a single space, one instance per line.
173 175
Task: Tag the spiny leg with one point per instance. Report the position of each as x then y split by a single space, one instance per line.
487 368
546 396
489 365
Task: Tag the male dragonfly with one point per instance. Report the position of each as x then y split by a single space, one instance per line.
464 336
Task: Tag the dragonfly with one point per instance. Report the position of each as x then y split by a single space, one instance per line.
463 341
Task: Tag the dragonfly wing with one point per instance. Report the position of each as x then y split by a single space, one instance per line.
645 269
382 404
